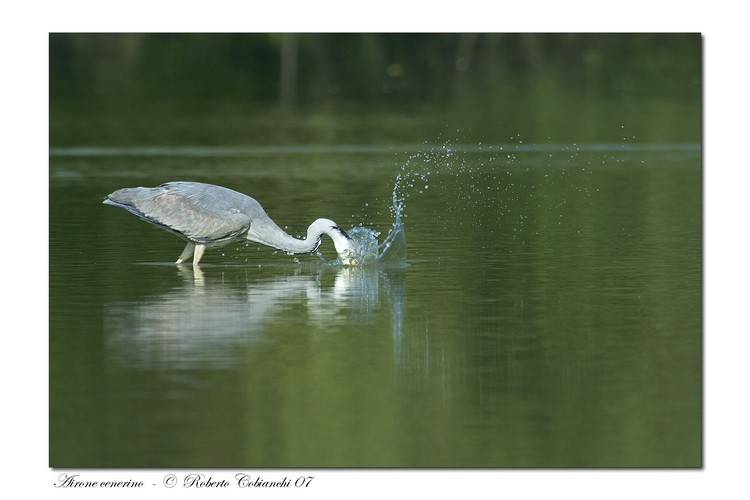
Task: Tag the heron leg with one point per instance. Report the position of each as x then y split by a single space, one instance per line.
186 253
199 249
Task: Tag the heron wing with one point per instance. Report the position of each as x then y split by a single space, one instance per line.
200 213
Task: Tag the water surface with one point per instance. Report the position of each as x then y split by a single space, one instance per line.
547 314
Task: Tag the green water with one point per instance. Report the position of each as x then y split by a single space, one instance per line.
557 324
548 313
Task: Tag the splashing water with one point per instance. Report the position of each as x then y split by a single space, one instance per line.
393 248
413 179
485 187
391 251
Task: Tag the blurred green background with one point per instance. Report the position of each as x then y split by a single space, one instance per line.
227 89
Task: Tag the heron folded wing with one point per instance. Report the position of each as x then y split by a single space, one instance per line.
194 219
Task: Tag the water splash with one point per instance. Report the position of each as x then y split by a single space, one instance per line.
413 178
391 251
483 186
365 245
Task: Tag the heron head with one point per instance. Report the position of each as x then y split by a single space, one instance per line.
345 247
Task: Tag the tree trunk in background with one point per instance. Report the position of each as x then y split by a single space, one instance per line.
288 76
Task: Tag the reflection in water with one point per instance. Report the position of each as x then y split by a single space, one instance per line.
205 323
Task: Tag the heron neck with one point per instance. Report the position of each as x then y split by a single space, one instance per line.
281 240
290 244
272 235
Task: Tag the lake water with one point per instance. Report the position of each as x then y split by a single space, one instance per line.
547 312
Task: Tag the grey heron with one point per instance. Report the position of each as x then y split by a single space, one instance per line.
210 216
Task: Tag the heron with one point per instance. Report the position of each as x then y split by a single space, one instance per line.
209 216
